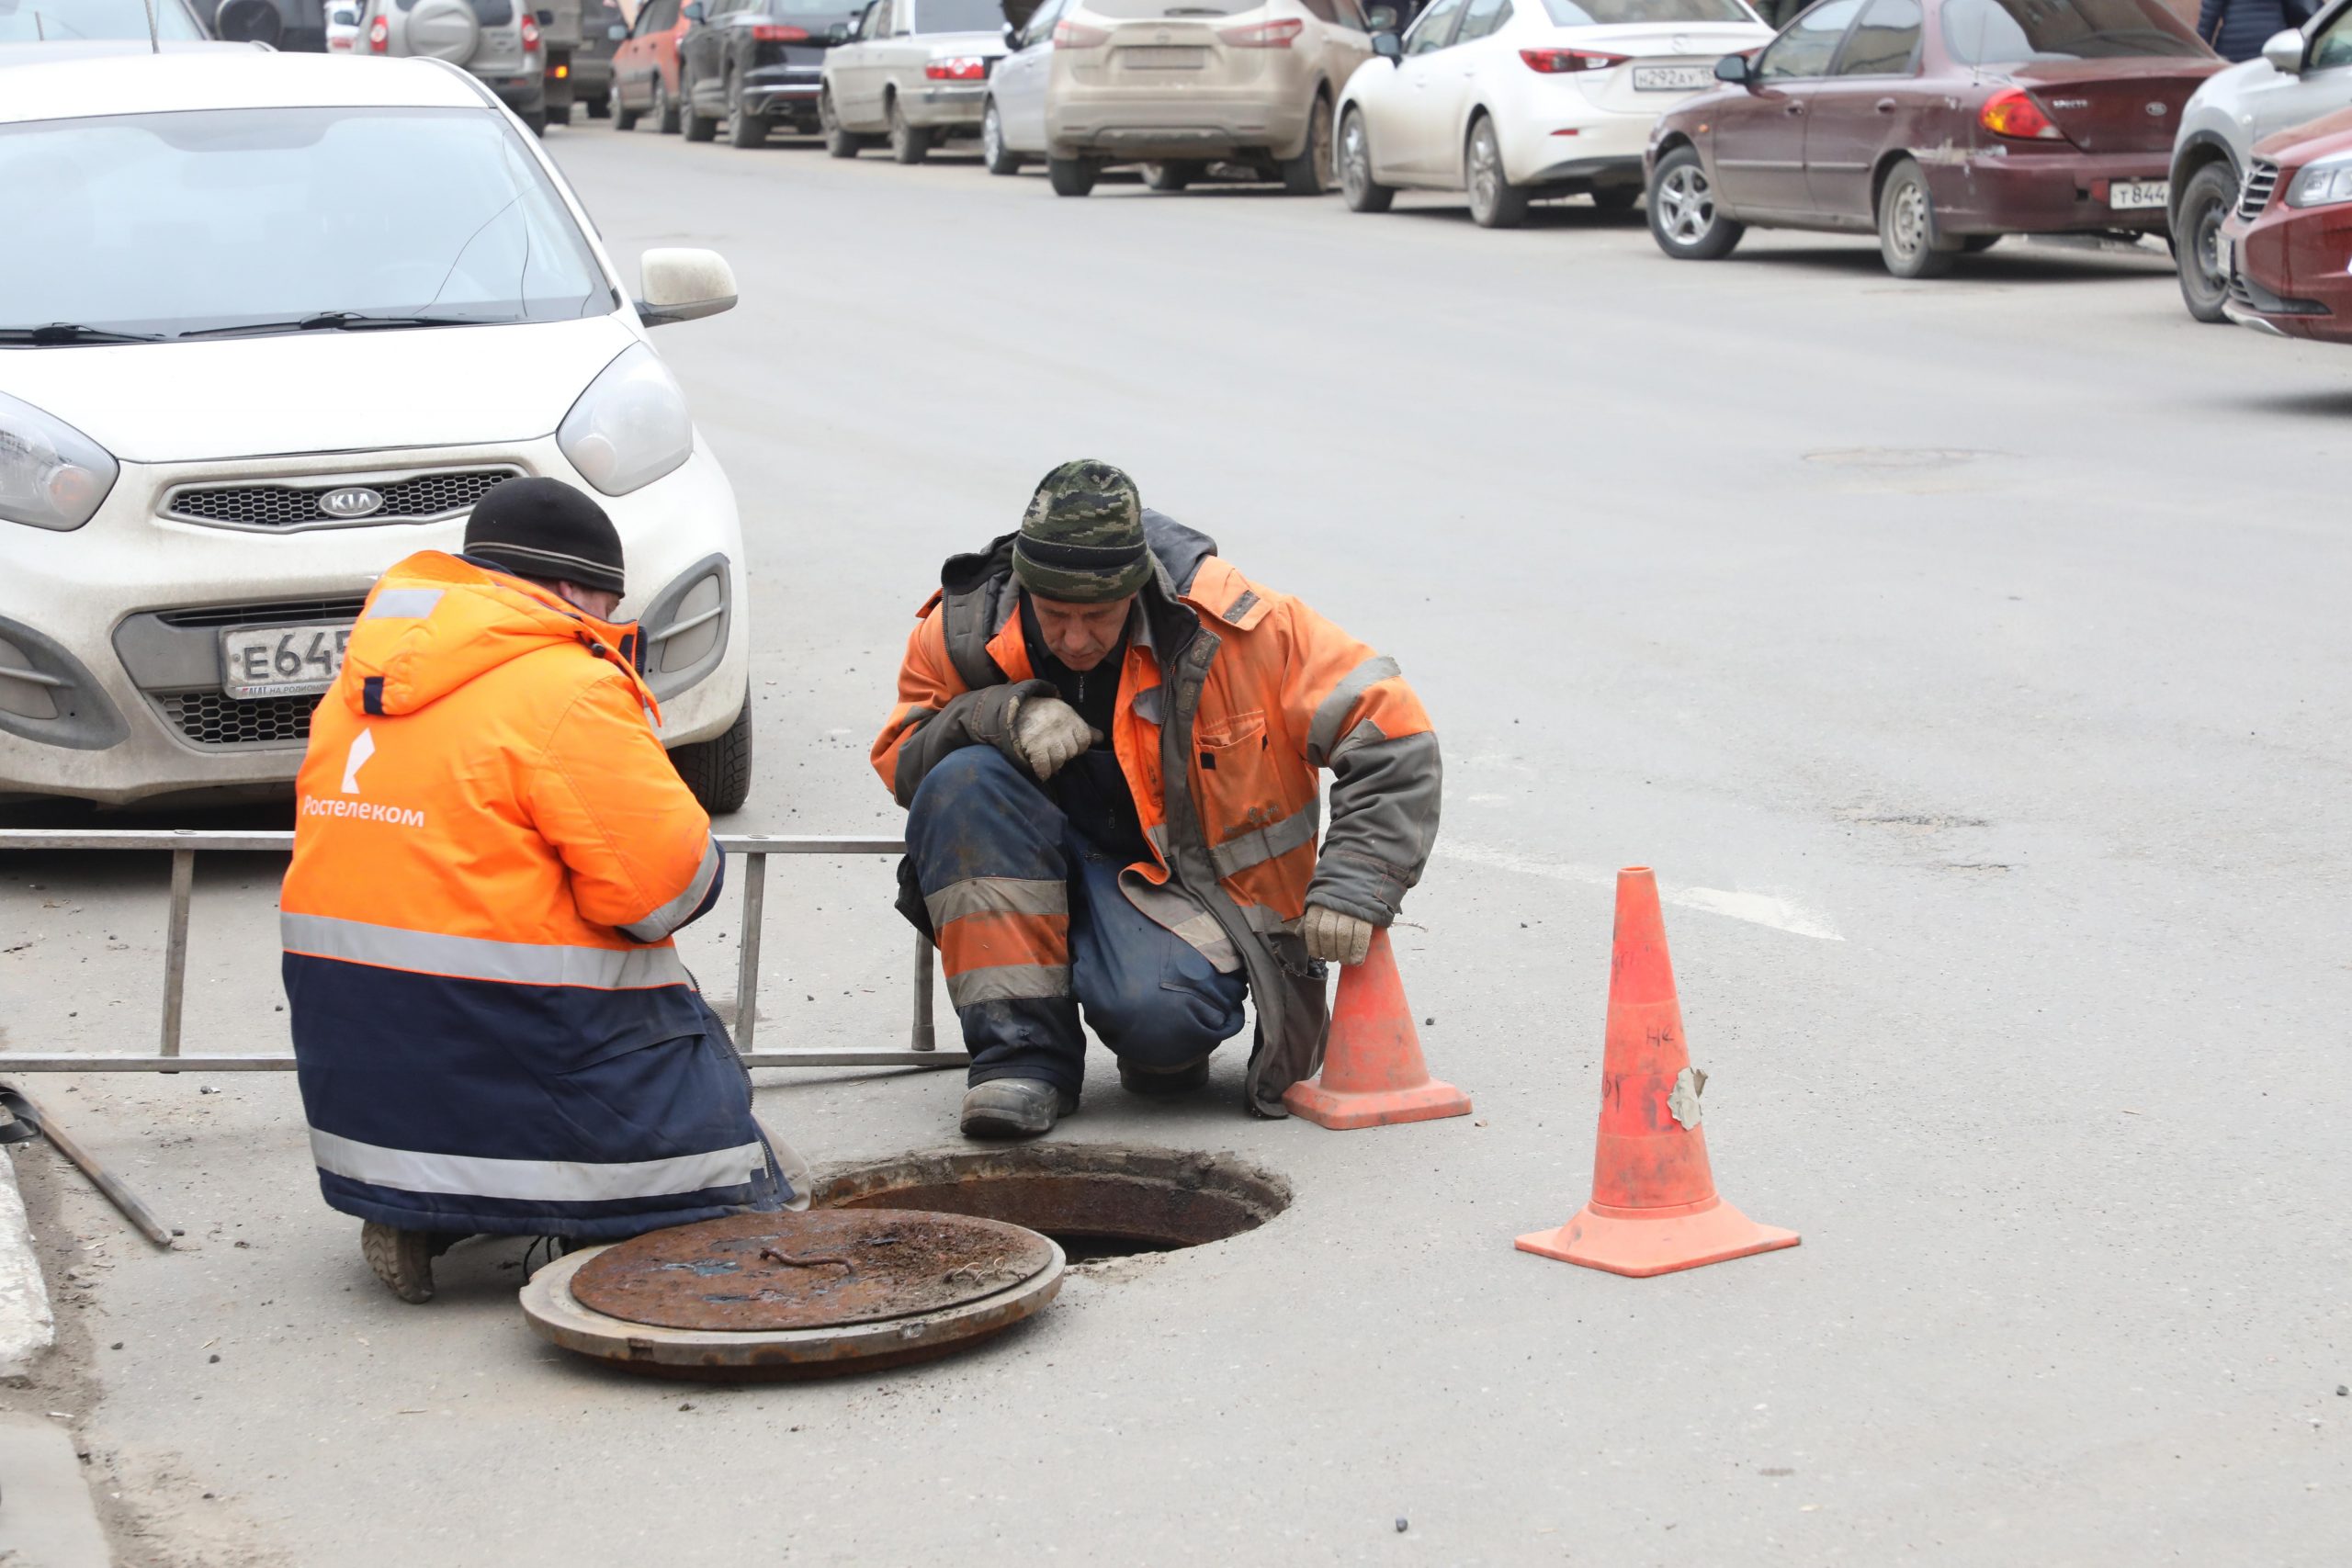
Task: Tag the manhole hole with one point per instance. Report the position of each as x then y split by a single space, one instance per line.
1096 1199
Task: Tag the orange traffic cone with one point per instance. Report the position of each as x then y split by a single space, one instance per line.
1653 1207
1372 1072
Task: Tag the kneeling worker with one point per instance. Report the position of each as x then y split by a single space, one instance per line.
492 850
1108 741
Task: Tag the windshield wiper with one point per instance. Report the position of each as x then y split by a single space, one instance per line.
58 333
344 321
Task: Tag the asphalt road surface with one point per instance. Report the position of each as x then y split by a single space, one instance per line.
1969 659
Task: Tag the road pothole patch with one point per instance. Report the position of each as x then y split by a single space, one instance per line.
1897 459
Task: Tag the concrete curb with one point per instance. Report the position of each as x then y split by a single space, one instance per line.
26 1329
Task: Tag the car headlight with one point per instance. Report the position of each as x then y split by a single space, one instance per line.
630 426
52 475
2322 183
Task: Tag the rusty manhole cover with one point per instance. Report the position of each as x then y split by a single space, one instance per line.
761 1273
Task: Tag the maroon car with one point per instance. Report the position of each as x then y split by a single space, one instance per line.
2286 248
1942 124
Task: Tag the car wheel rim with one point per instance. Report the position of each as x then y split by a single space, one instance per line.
1686 205
1910 220
991 136
1482 171
2209 250
1355 158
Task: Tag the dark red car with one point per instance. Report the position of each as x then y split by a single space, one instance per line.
1942 124
2287 247
645 68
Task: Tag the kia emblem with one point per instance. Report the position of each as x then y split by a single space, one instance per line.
2156 109
352 500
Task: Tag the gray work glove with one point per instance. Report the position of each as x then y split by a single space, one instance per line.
1047 733
1334 937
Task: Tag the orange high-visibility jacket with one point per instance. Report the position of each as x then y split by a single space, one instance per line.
1232 697
491 850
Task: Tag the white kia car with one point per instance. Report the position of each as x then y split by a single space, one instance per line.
1515 100
289 317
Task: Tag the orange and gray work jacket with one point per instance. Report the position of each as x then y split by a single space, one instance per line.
493 1029
1231 698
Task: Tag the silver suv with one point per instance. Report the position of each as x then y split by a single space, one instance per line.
1180 84
2300 75
497 40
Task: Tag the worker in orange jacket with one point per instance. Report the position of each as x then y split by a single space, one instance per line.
492 852
1109 744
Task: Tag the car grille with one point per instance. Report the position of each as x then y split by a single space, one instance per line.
210 719
415 498
2261 178
283 611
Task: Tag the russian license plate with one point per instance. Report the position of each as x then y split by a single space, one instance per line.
2139 196
1171 59
281 661
1671 78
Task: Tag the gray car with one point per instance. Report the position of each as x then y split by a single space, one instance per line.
2299 76
496 40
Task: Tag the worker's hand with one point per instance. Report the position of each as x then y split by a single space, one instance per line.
1334 937
1047 733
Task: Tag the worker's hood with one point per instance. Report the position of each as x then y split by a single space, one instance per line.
434 623
318 391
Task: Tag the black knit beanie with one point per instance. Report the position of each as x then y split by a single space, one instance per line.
545 528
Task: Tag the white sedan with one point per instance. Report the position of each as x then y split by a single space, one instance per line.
1513 100
205 465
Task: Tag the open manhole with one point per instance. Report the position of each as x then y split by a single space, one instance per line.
1095 1199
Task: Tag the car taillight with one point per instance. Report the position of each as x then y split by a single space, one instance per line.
1557 61
380 35
1077 35
1263 35
957 68
530 36
2013 113
771 32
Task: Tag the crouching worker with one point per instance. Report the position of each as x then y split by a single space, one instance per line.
1108 743
492 850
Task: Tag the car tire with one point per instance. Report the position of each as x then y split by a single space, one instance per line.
839 140
600 108
1684 217
717 772
1173 174
1000 159
1495 202
624 116
694 125
1357 187
536 122
908 143
2206 201
743 129
1072 177
1910 240
663 111
1309 174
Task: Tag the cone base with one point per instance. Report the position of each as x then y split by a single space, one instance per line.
1677 1239
1342 1112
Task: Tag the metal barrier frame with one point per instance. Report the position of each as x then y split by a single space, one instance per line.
751 849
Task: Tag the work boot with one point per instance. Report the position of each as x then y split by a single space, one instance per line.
1136 1078
1015 1107
403 1259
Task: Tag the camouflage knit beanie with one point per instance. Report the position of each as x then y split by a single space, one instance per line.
1081 539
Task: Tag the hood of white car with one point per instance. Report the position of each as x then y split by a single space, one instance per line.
318 391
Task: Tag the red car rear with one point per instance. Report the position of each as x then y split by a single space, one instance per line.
1940 124
2286 249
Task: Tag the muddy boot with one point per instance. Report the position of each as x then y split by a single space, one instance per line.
1015 1107
1136 1078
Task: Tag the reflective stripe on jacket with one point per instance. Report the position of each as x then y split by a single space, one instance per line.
493 1029
1232 697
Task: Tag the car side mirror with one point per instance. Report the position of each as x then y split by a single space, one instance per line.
248 21
681 285
616 33
1736 69
1388 46
693 11
837 33
1011 37
1381 19
2285 53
